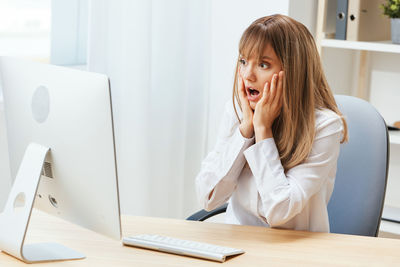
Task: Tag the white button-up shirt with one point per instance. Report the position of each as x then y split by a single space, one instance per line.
260 192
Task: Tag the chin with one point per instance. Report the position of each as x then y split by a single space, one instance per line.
253 105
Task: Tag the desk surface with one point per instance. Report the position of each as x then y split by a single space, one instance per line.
263 246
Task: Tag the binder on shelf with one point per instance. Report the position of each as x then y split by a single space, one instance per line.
341 19
365 21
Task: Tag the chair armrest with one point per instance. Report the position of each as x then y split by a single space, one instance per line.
204 215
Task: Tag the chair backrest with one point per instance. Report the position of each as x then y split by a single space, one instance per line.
357 200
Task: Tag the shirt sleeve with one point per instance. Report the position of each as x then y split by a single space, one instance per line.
283 195
222 166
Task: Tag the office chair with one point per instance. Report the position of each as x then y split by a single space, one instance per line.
356 203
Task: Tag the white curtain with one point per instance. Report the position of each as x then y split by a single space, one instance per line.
156 55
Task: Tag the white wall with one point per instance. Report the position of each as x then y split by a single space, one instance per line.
304 11
340 66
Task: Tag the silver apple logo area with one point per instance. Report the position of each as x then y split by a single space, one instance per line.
41 104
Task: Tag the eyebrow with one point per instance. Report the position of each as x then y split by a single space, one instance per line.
267 57
263 57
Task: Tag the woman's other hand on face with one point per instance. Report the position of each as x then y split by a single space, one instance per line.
268 107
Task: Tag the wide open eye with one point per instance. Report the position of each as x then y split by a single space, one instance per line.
264 65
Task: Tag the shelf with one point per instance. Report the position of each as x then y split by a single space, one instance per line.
391 213
389 229
379 46
390 226
394 137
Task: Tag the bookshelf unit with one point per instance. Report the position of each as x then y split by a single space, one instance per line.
364 47
362 78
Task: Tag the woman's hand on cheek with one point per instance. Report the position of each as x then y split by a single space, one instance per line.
246 125
268 107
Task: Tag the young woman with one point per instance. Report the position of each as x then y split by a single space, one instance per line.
276 156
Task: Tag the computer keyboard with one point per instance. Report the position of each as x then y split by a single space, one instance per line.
181 247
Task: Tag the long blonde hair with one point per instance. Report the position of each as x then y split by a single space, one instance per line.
305 85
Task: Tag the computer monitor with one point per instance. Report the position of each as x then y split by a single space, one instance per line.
68 111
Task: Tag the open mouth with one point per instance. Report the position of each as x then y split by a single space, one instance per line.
252 92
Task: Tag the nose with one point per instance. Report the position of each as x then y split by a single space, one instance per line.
248 73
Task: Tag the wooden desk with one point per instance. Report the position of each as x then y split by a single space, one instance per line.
263 246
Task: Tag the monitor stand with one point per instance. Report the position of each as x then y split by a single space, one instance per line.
14 220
